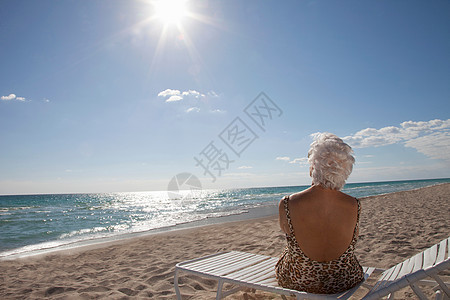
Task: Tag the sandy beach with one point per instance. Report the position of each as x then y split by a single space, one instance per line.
393 227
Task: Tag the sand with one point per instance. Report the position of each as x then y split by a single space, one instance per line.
393 227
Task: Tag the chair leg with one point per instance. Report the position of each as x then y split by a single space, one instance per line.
219 290
442 285
175 282
391 296
438 295
418 292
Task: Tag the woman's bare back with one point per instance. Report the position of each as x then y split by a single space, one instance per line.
324 221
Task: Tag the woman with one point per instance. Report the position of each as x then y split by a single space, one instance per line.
321 225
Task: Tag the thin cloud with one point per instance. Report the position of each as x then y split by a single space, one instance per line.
283 158
193 93
303 161
12 97
213 94
245 167
431 138
177 95
169 92
194 101
435 145
218 111
174 98
193 109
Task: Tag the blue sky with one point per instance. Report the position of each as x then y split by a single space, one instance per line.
103 96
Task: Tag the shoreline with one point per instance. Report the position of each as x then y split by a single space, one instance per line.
393 227
253 213
241 213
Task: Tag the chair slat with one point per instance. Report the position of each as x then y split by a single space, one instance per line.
215 259
233 266
418 259
269 281
383 280
448 247
407 267
252 268
251 276
268 263
442 251
222 263
395 273
429 257
262 276
386 279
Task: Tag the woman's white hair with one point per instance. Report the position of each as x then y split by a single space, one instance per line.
331 161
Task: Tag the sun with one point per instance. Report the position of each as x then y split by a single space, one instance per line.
170 11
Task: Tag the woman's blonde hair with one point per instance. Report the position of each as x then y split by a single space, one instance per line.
331 161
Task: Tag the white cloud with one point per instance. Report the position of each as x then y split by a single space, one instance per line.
168 92
11 97
213 94
402 172
284 158
193 97
180 95
193 93
174 98
435 145
46 100
176 95
245 167
193 109
431 138
218 111
303 161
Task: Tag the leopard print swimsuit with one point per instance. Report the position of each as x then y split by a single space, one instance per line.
296 271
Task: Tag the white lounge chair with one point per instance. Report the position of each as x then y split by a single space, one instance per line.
258 272
413 271
246 270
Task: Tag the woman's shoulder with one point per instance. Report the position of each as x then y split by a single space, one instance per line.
301 194
316 195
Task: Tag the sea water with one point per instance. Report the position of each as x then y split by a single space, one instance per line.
31 223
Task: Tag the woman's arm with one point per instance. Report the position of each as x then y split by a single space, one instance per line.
282 217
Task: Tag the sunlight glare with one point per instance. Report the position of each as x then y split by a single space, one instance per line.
170 11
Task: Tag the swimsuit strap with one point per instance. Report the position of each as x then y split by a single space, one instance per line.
288 215
357 223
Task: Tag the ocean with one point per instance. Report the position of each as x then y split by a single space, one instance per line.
36 223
